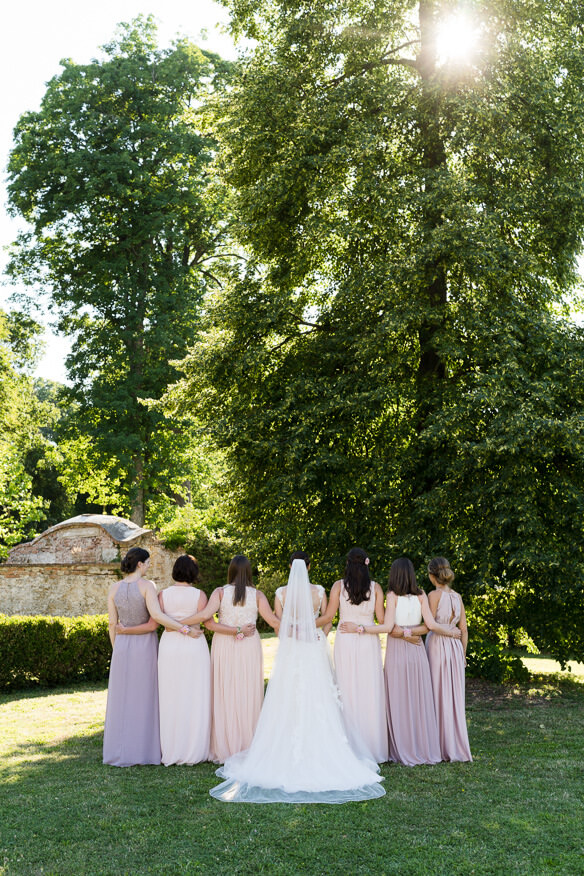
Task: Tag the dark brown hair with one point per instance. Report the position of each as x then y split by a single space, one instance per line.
300 555
402 578
185 569
439 567
239 574
133 557
357 580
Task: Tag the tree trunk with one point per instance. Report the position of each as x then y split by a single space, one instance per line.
431 366
138 512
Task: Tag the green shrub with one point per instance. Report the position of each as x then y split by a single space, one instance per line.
490 660
48 651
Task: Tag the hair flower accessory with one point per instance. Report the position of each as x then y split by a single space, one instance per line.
366 561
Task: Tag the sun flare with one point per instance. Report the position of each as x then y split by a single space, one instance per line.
456 39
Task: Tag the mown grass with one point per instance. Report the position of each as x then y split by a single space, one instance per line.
517 809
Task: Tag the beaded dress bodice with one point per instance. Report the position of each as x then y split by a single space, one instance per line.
130 604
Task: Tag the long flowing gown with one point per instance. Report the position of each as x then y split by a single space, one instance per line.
131 734
237 668
446 659
300 752
411 719
359 671
184 684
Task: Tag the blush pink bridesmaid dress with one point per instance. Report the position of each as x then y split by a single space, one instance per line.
237 671
359 671
446 659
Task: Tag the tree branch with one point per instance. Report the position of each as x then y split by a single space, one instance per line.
384 61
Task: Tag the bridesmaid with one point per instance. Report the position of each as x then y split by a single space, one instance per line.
447 661
237 665
184 672
358 664
411 718
131 734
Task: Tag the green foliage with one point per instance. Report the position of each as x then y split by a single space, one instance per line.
113 176
51 651
21 422
392 366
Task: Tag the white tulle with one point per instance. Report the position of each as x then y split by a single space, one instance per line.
300 752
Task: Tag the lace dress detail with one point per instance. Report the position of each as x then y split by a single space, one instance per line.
238 615
317 594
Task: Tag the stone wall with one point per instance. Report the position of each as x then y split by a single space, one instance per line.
50 584
56 589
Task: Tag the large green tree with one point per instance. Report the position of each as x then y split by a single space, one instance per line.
22 418
394 366
113 175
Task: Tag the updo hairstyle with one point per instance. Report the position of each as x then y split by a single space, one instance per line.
185 569
357 580
239 574
133 557
402 578
439 567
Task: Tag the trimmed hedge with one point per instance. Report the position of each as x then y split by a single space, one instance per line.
49 651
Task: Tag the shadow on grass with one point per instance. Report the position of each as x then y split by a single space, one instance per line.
516 809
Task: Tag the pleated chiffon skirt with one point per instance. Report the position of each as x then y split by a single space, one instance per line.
446 660
411 718
359 673
237 693
184 683
131 734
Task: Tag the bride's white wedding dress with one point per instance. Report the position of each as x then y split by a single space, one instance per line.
300 752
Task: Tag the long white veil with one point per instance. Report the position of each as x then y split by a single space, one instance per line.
300 752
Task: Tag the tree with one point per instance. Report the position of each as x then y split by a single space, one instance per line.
21 509
113 175
389 369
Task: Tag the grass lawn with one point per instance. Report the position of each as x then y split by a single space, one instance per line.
517 809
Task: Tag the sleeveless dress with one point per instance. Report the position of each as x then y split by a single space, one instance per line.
300 752
184 684
446 659
131 734
317 595
359 672
237 669
413 731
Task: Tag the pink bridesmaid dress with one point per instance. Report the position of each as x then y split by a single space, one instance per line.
359 671
413 731
237 670
446 659
184 684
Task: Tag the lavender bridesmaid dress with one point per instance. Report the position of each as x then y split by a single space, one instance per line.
446 658
131 734
411 719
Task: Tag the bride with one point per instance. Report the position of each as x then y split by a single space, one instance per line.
300 752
